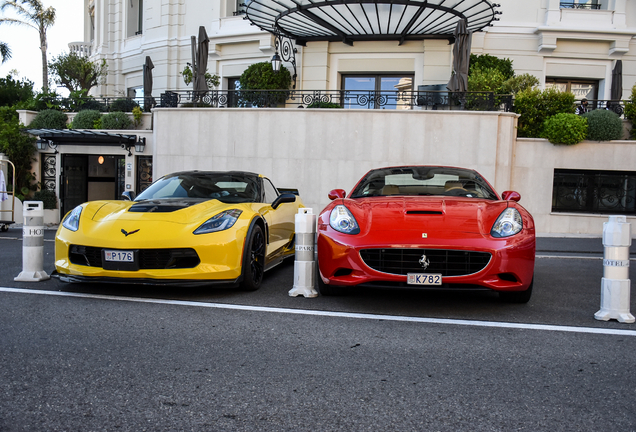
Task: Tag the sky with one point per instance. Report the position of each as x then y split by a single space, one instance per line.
25 42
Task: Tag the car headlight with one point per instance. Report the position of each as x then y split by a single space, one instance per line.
508 223
342 220
72 220
219 222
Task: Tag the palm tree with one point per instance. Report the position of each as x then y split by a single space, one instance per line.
34 15
5 52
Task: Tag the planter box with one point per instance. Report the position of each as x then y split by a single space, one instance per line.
51 217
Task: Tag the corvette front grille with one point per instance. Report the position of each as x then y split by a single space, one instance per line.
149 259
447 262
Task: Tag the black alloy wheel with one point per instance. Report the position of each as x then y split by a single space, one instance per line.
254 262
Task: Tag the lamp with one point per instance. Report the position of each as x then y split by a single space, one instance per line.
140 145
276 62
42 144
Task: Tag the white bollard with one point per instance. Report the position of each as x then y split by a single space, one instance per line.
33 244
615 285
304 266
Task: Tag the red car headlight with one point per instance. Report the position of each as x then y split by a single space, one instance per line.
508 223
343 221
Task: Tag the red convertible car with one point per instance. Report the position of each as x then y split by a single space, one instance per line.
426 227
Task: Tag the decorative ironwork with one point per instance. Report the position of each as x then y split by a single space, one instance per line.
589 191
288 53
144 173
616 106
570 5
353 99
49 172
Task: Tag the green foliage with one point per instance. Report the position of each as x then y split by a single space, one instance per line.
565 129
485 80
487 61
260 76
86 119
630 112
122 105
137 114
535 106
321 104
116 120
212 80
519 83
603 125
48 198
12 92
77 72
49 119
19 148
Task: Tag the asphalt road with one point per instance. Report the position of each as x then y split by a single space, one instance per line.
100 357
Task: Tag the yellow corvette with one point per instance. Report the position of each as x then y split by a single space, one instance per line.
188 228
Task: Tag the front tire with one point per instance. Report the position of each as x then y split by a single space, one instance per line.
254 261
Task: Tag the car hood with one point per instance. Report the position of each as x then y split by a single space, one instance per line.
428 214
182 211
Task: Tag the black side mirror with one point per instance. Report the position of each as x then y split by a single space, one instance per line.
283 198
128 195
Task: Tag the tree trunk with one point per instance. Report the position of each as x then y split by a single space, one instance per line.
45 66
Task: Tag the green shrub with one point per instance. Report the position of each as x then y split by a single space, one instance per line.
49 119
86 119
565 128
603 125
123 105
90 104
321 104
630 112
260 76
535 106
116 120
485 80
48 198
487 61
519 83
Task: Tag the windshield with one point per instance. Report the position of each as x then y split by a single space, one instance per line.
225 187
418 181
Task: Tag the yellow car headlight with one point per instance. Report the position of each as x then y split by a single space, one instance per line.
219 222
72 220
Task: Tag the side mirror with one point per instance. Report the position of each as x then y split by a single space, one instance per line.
511 196
337 193
128 195
283 198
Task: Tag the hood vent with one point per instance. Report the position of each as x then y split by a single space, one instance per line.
424 212
158 206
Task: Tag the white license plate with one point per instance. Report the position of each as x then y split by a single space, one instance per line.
119 256
424 279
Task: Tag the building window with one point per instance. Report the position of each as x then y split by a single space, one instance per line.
135 17
376 91
592 191
581 88
581 4
233 85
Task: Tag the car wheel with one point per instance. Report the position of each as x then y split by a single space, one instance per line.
517 296
254 261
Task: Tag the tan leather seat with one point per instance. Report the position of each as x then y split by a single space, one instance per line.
390 190
453 184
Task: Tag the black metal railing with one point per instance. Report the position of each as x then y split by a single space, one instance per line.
613 105
572 5
590 191
352 99
101 104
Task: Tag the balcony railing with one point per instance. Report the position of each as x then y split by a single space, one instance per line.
616 106
572 5
353 99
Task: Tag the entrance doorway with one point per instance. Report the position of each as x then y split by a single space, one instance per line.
90 178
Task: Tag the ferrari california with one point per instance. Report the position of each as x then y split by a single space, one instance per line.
188 228
432 227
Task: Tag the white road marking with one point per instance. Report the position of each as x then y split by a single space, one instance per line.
473 323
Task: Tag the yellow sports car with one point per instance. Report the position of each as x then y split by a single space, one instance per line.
188 228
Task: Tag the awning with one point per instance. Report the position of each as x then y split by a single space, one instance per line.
83 137
368 20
